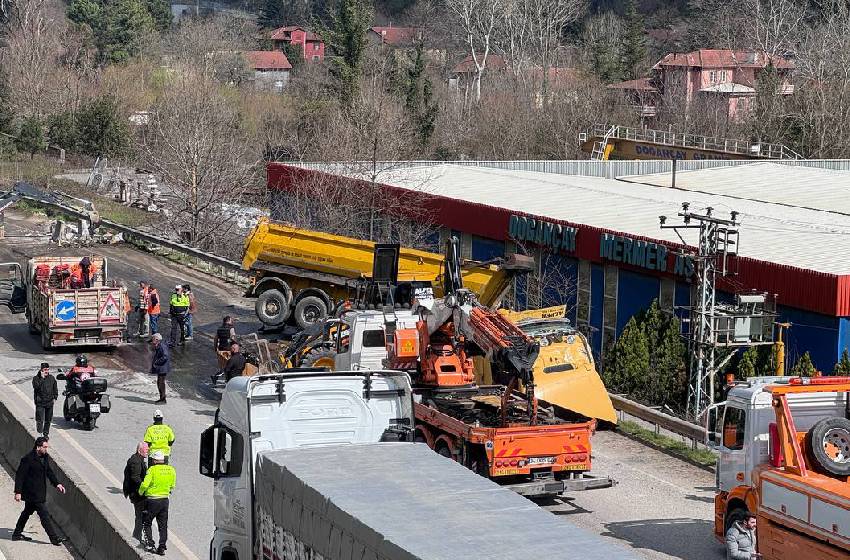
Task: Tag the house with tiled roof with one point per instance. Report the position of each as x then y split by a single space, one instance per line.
394 36
271 69
721 76
311 45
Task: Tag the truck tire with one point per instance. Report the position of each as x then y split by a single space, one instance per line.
46 341
319 357
309 311
829 443
66 411
272 308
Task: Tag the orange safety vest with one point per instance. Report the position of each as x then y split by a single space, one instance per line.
127 306
153 310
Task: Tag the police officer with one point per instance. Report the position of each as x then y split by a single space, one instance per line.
159 437
155 489
178 309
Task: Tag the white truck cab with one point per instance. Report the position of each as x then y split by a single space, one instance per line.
739 428
362 344
297 408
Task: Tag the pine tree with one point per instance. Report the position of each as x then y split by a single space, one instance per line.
633 47
348 42
666 356
843 365
31 137
419 99
102 131
628 366
747 366
804 366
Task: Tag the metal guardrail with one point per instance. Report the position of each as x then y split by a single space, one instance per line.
31 194
660 420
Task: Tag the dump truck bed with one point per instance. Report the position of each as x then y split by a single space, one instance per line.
336 258
401 501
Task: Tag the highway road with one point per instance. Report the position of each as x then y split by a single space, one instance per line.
661 507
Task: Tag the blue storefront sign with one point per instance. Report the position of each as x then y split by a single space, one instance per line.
556 237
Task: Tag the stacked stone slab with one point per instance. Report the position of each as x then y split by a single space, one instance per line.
397 501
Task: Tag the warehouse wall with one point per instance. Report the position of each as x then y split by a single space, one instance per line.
819 334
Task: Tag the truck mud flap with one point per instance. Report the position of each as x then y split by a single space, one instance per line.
552 487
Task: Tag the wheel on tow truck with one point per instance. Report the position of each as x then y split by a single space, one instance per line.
30 324
829 443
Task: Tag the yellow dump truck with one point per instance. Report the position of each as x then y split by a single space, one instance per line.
302 274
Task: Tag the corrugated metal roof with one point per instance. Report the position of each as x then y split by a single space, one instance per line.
801 187
770 231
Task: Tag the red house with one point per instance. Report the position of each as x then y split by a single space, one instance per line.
724 76
312 47
394 36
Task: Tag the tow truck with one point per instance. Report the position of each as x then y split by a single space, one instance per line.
494 430
783 447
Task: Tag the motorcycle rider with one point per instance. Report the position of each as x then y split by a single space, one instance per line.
79 373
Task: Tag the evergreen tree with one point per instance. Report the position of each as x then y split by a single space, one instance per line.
31 137
121 27
295 54
102 130
633 47
62 130
804 366
278 13
160 11
627 369
747 367
843 365
347 40
7 115
419 100
666 356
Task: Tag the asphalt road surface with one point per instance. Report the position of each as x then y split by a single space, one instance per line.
662 507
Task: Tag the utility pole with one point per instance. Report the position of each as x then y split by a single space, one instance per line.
718 240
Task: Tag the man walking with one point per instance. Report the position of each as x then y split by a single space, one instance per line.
224 337
159 437
142 309
31 479
160 365
155 488
134 474
741 539
187 289
178 307
45 393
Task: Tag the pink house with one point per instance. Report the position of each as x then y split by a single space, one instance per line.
726 76
312 47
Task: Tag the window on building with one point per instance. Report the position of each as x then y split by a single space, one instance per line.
734 422
712 78
315 57
315 46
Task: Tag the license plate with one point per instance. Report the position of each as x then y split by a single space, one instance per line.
94 408
541 460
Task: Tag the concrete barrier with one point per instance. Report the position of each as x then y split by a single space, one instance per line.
92 528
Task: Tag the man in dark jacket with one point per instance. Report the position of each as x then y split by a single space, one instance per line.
160 365
45 393
235 363
31 479
134 474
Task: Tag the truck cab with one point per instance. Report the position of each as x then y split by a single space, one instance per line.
768 436
296 408
361 342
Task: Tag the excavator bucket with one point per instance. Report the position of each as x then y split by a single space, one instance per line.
564 373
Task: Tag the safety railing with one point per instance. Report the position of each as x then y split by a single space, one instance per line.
660 420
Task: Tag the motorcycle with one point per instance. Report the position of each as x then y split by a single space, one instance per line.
85 403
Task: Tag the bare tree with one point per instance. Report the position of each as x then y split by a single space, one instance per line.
546 20
32 32
478 19
197 144
774 25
